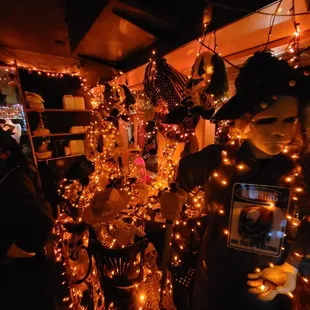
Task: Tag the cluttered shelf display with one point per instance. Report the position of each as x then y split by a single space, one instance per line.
60 157
107 225
57 134
58 110
57 113
119 182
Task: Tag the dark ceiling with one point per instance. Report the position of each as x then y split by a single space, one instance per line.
117 34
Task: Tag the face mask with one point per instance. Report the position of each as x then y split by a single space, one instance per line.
275 126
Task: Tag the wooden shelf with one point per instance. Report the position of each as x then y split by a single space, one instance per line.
61 157
57 110
58 135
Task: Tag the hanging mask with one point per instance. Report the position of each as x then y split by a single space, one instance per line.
202 71
208 85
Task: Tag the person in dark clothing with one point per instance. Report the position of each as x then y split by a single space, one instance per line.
235 177
25 228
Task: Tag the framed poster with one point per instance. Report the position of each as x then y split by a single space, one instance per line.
258 218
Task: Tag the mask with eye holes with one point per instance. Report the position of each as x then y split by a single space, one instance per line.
75 251
272 129
206 90
208 85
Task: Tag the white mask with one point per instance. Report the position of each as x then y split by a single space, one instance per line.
275 126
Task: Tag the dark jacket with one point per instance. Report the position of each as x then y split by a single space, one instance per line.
221 276
26 217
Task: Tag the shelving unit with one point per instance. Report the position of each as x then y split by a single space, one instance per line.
58 120
58 135
57 110
55 135
60 157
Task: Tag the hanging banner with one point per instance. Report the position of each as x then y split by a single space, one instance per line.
258 218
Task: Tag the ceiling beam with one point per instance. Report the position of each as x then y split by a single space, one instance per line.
189 30
111 64
80 16
156 15
158 30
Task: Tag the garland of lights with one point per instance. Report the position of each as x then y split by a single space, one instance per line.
166 174
179 242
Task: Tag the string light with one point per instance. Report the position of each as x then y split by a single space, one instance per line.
166 173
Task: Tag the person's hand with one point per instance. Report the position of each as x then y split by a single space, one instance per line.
171 203
270 282
15 252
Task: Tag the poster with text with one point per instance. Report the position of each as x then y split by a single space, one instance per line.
258 218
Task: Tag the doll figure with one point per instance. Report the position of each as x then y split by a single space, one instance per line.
134 165
247 185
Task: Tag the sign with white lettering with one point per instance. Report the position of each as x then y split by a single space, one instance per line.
258 218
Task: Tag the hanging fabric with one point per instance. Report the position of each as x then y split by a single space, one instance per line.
164 83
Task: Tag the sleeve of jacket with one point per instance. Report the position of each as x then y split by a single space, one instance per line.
7 229
25 215
195 169
300 247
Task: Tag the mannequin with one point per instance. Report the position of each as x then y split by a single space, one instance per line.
265 113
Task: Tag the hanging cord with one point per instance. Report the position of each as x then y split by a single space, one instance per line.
215 45
272 20
214 52
227 7
292 52
203 41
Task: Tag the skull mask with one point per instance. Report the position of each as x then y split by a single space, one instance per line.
74 246
208 85
125 231
192 213
150 257
202 71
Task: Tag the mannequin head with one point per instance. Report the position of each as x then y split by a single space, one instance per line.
269 96
274 127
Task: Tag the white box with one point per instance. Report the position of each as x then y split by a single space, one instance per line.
76 129
68 102
76 147
79 103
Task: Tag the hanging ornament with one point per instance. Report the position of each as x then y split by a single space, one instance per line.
208 86
164 83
